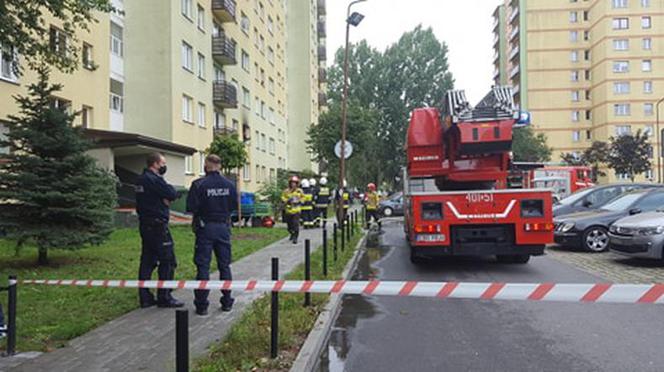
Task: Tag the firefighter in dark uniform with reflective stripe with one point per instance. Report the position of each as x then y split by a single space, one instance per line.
292 199
212 199
322 201
307 205
153 199
342 196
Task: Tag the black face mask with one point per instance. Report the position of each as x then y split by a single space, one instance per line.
162 170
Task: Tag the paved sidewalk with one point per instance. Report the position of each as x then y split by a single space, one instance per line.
144 339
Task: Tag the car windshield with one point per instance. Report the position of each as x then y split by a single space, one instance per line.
576 196
623 202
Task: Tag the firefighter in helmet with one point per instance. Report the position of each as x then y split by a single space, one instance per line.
322 200
292 198
371 201
307 205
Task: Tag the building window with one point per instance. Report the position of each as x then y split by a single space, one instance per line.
187 8
647 43
621 87
263 110
620 23
200 18
117 43
188 164
574 76
574 56
86 55
201 164
8 65
201 115
201 66
575 116
219 120
648 109
258 139
620 66
646 65
272 146
270 55
117 96
187 57
588 74
574 36
270 86
621 44
621 109
58 41
263 142
246 98
573 17
245 24
622 130
246 64
86 116
576 136
647 86
586 35
646 22
272 116
589 135
588 95
246 172
589 115
257 103
645 3
617 4
258 173
575 96
187 109
270 25
648 130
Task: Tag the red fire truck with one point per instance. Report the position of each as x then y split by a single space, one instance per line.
455 185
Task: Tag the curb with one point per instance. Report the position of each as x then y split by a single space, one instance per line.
307 358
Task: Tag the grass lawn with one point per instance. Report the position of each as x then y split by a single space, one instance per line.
247 346
49 316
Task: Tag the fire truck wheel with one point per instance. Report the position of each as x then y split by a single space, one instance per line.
595 239
514 259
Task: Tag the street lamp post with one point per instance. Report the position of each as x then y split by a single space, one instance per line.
351 19
659 144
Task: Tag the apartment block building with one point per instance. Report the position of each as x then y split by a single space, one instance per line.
586 69
169 75
307 76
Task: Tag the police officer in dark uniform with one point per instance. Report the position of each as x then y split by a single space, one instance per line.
153 198
212 199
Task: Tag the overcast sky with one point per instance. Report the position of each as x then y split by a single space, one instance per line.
465 25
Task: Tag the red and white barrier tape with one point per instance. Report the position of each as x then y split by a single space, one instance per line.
602 292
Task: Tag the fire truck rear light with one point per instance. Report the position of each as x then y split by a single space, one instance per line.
539 227
427 229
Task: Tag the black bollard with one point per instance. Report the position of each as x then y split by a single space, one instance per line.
274 339
182 340
334 235
307 269
11 315
347 229
343 237
325 253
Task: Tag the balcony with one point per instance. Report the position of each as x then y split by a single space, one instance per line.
322 10
514 33
515 71
496 40
496 74
224 10
514 53
321 29
223 50
224 131
322 75
322 99
514 15
224 95
322 54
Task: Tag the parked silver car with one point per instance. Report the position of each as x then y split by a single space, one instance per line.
640 235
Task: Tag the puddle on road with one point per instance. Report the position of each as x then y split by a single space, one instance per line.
353 309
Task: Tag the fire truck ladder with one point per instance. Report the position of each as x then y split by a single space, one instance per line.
497 104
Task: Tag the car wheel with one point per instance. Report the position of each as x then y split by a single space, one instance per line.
388 212
596 239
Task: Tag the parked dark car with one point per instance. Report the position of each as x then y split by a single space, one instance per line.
589 230
392 206
594 197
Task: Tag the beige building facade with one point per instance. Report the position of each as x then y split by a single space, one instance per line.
586 70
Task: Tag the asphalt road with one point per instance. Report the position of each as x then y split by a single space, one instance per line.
420 334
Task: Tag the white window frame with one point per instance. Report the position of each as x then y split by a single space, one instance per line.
201 164
620 23
646 65
622 130
576 116
620 44
187 8
117 44
200 17
647 87
576 136
201 66
8 65
646 22
646 43
201 114
648 109
620 67
246 172
187 109
621 87
622 109
188 165
187 57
